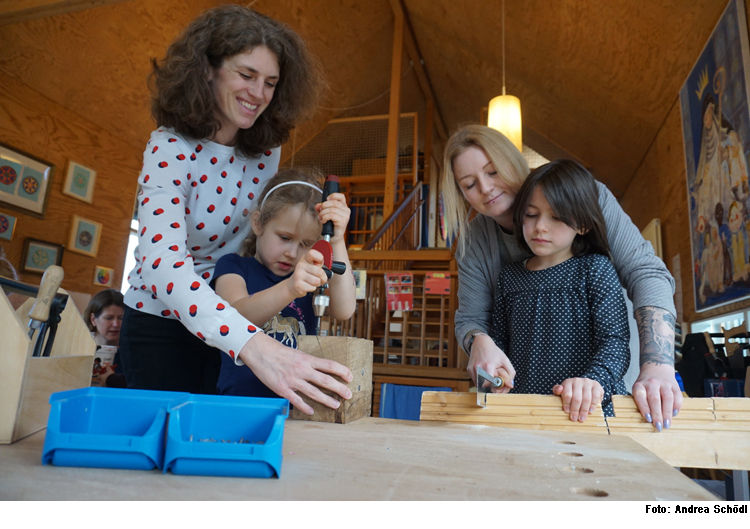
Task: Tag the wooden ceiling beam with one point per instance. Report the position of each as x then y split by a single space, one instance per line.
412 48
13 11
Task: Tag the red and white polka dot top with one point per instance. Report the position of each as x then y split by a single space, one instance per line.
194 207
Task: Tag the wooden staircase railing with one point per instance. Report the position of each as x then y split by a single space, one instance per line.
401 231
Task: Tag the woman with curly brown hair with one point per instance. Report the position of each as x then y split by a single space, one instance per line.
226 95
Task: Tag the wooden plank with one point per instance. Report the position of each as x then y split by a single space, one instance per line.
16 346
705 449
415 55
354 353
391 169
401 255
421 371
731 403
14 11
382 459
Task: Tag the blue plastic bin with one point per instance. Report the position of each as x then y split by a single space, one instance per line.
212 435
107 428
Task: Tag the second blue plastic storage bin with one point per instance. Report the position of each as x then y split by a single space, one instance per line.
212 435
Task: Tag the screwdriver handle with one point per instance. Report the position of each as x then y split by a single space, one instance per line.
51 280
331 185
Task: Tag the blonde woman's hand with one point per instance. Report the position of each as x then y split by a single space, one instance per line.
488 356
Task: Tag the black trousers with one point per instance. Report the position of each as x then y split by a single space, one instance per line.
161 354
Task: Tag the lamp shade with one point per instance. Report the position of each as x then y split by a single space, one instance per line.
505 115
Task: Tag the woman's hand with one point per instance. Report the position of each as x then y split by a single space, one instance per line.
487 355
335 210
287 371
580 396
657 394
308 275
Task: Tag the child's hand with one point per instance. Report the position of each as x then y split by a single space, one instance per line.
308 274
580 396
335 210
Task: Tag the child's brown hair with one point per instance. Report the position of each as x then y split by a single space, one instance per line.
289 195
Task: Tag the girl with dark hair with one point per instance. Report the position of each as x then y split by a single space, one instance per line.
226 95
271 280
560 315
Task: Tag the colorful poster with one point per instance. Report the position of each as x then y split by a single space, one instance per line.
716 133
400 295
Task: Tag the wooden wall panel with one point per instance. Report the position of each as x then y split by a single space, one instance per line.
658 190
32 123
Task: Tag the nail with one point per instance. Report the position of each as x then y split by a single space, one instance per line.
592 409
667 423
648 417
574 418
566 409
658 426
675 412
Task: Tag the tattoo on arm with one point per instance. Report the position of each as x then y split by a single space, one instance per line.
656 331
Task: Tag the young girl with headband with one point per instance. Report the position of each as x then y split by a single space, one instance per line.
560 315
271 280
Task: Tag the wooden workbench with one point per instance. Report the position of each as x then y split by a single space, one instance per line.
382 459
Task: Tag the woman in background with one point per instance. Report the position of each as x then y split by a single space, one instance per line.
103 316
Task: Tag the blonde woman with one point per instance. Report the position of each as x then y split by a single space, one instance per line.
483 170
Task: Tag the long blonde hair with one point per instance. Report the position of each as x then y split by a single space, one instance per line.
507 159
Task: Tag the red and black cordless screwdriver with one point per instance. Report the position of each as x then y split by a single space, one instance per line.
321 301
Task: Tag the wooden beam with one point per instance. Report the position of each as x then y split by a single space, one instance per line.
391 159
13 11
400 255
412 48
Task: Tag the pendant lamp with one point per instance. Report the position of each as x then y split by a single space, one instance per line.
504 113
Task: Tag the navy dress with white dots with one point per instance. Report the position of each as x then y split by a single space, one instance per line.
566 321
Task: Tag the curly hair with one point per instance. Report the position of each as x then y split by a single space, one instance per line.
290 195
182 95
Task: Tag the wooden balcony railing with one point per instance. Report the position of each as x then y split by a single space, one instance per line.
401 230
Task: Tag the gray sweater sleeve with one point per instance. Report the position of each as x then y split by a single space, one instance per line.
646 278
478 271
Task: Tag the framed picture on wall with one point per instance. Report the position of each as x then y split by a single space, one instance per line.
103 277
716 133
7 226
79 182
24 181
84 236
39 255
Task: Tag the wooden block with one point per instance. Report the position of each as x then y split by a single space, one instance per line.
354 353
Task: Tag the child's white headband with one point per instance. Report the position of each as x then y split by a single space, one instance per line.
274 188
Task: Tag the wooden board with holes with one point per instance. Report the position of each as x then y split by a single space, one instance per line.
384 459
